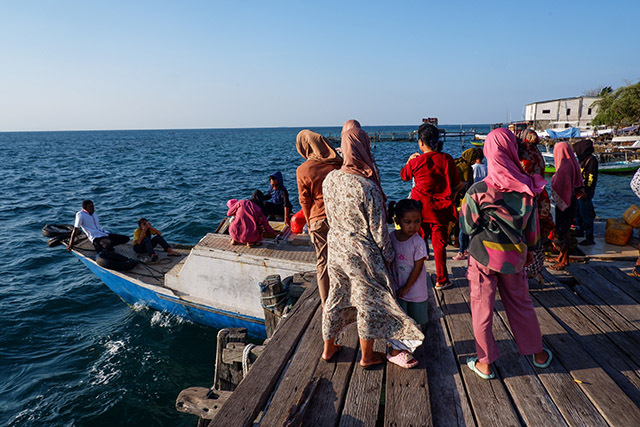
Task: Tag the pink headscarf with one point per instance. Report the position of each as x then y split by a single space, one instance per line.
356 152
231 202
568 175
505 172
350 124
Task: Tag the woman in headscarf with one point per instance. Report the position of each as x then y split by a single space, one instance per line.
533 164
249 223
360 251
566 188
321 159
437 182
589 166
500 215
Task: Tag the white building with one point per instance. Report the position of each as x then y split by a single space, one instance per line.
562 113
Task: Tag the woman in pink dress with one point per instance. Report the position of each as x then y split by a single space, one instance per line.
248 224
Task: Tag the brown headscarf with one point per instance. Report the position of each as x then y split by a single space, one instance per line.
313 146
356 152
350 124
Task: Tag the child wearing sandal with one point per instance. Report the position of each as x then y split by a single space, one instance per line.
408 271
500 216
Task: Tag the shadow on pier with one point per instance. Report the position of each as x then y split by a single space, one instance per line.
591 325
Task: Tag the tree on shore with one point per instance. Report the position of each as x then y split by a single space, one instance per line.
619 108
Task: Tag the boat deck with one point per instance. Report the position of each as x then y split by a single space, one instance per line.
590 321
295 248
146 271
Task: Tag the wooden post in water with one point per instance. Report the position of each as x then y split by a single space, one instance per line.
228 376
274 299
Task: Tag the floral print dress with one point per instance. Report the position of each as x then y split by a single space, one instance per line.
359 249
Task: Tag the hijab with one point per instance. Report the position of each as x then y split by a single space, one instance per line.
350 124
505 172
584 149
313 146
356 151
465 161
568 175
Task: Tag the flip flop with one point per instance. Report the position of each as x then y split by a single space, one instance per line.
404 359
333 356
636 271
545 364
557 267
382 358
440 286
471 363
174 254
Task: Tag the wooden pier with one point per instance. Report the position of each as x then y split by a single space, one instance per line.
379 136
590 321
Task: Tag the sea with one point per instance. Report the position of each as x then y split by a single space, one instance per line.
72 353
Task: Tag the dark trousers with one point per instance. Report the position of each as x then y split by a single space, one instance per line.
148 244
106 244
585 217
271 208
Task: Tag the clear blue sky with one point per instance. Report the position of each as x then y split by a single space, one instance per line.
208 64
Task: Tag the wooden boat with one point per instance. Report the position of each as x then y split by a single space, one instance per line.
619 167
214 283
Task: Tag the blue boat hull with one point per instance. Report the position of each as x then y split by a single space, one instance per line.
133 293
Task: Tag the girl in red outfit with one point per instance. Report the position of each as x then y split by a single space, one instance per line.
436 182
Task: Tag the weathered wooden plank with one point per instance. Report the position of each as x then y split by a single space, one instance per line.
363 396
406 394
253 392
333 379
449 404
611 294
627 284
612 403
527 392
606 318
595 337
228 375
490 401
201 401
298 373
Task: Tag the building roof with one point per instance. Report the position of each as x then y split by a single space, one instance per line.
564 99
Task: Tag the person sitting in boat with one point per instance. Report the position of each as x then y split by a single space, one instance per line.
146 237
87 220
249 223
278 197
589 167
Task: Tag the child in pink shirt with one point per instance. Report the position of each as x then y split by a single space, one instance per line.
408 271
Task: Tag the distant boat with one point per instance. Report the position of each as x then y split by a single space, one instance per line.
620 167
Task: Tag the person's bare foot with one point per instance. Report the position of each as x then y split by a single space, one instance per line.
233 242
376 358
329 351
541 357
483 367
171 252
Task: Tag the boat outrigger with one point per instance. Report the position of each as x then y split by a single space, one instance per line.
214 283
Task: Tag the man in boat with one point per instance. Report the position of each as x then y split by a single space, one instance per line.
87 220
586 212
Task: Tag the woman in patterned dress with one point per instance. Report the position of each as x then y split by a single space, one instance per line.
360 252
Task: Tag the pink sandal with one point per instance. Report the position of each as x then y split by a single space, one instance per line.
404 359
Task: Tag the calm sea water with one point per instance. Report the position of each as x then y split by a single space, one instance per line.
71 352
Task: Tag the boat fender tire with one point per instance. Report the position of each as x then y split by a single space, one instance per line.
54 230
56 241
115 261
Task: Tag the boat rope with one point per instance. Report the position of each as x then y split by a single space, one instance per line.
246 353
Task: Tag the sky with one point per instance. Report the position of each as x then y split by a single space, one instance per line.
89 65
